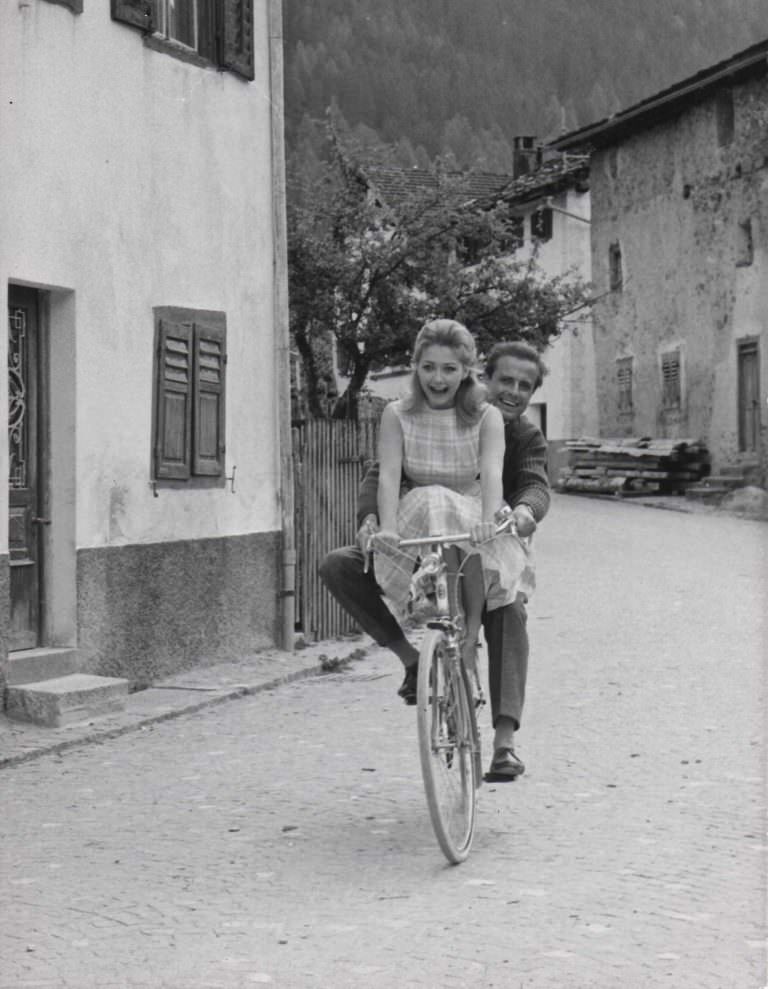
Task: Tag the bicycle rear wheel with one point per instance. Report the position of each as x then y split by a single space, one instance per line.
446 747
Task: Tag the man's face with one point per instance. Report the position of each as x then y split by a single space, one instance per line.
511 386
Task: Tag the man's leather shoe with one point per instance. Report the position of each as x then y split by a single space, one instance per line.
505 767
407 689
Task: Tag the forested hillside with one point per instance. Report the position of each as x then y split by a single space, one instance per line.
461 78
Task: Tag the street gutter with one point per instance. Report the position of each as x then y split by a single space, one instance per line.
174 697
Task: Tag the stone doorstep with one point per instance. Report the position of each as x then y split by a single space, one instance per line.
32 665
65 700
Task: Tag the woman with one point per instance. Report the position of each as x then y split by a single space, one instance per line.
448 444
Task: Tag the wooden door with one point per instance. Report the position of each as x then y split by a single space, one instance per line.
749 396
23 423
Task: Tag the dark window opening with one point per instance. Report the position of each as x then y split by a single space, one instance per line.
541 224
615 274
745 248
613 163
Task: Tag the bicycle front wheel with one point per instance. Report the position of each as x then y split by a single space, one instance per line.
445 747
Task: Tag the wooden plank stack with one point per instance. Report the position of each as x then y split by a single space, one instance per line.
626 466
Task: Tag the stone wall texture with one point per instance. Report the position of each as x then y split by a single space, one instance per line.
686 200
5 617
146 611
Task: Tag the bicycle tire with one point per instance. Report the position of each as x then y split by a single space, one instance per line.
448 764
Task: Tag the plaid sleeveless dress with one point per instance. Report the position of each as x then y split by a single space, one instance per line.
441 461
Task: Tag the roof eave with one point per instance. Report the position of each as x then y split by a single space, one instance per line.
665 104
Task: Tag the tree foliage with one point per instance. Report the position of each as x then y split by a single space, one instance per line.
367 274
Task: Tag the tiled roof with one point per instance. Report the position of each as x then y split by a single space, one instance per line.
561 172
393 185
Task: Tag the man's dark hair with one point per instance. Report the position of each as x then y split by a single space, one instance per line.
522 351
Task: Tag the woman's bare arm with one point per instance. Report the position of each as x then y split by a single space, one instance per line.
390 468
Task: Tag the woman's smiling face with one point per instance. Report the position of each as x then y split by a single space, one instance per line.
440 372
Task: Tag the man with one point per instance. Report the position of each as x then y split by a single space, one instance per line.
513 372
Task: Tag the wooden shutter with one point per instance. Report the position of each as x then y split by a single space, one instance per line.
173 426
624 376
670 379
137 13
210 375
237 36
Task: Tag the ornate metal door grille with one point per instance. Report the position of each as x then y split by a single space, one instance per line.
18 421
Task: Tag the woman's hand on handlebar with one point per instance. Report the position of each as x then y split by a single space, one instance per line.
482 533
386 537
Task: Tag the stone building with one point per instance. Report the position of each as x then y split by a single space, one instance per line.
680 262
143 264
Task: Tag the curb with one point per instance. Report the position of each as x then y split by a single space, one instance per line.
137 720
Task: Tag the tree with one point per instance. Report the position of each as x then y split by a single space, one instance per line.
369 272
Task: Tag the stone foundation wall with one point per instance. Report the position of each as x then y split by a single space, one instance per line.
146 611
5 617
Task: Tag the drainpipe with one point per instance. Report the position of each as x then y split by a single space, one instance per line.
287 599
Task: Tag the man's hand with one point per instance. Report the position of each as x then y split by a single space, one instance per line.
525 523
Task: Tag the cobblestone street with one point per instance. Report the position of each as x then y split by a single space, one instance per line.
283 839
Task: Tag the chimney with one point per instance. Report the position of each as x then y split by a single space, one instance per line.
525 156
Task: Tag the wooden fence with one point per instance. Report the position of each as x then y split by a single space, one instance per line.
329 462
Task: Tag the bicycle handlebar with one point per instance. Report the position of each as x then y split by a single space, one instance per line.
456 538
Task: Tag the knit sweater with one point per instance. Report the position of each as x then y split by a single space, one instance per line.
524 475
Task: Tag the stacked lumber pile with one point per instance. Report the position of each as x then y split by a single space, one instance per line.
633 466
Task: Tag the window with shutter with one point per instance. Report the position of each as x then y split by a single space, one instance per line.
237 36
174 400
190 395
210 363
624 380
137 13
218 32
671 393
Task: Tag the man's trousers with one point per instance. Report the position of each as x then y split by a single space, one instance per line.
505 628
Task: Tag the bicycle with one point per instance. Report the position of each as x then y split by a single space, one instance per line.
447 698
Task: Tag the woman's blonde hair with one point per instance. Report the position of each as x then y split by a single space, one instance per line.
449 333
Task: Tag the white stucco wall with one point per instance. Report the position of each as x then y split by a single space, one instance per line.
132 179
569 388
